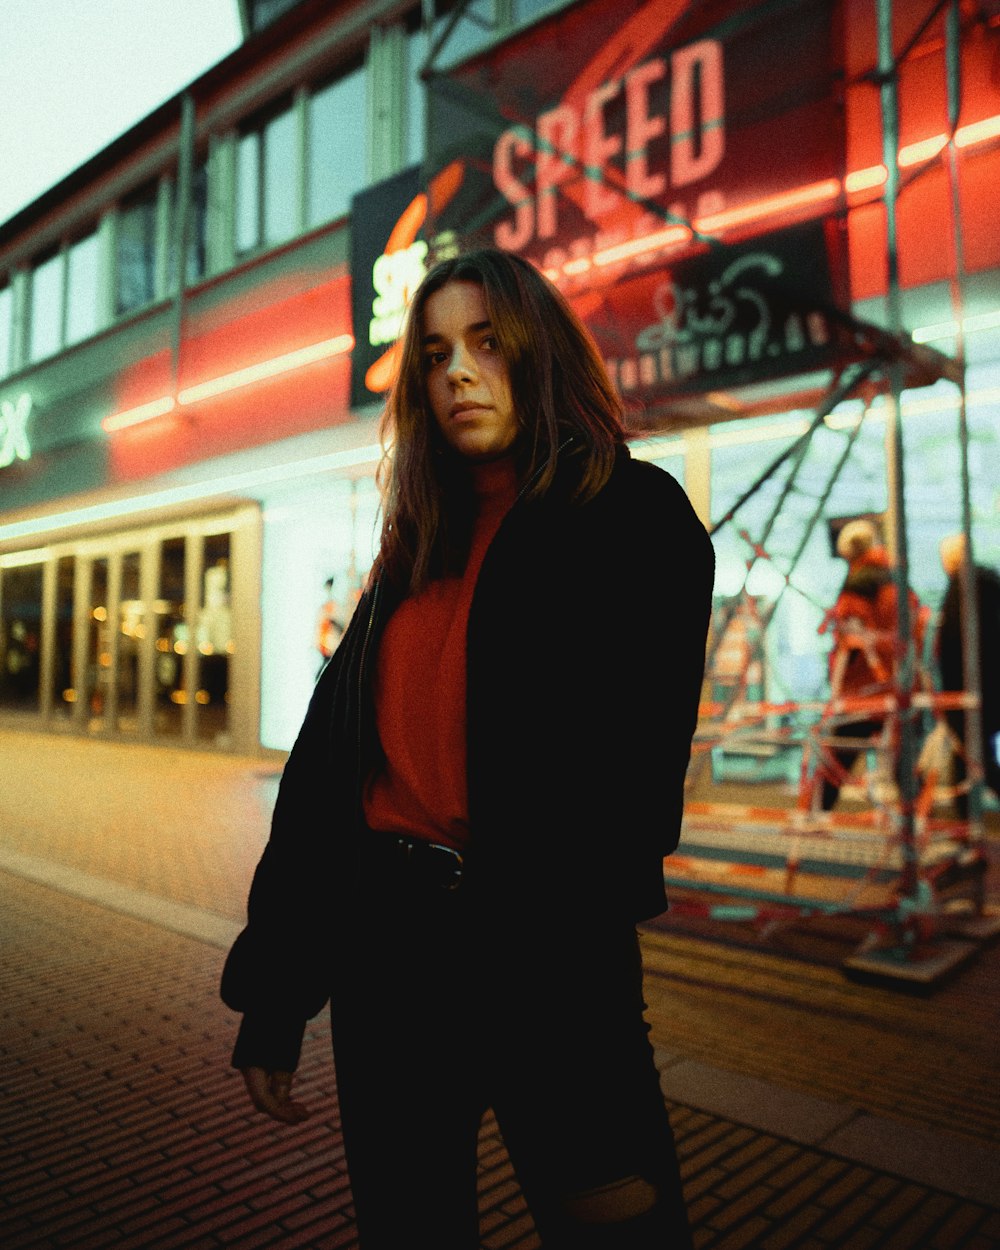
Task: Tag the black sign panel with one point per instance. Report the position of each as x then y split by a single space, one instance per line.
387 262
724 317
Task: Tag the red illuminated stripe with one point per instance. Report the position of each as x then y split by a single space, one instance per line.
284 363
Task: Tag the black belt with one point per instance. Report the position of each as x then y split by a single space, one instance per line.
414 860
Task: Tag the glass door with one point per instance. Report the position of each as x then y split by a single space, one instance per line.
20 638
131 636
138 634
171 639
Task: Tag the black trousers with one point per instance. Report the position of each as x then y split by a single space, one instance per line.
444 1005
833 773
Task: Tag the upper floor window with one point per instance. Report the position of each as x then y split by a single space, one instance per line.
197 233
197 229
46 307
336 155
264 12
267 181
135 270
82 289
477 26
6 328
64 297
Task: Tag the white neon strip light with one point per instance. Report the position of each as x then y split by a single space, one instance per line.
925 150
267 369
135 416
231 484
948 329
977 132
866 179
231 381
813 193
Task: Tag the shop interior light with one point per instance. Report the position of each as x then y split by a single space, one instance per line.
16 559
276 365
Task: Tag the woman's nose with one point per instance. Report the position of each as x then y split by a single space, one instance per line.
461 367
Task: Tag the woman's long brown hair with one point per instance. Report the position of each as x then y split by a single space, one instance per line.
564 402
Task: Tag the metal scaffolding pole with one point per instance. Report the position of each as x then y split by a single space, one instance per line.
969 597
906 668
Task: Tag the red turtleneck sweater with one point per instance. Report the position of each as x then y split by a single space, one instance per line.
420 691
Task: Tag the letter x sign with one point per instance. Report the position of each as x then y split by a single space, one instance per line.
14 443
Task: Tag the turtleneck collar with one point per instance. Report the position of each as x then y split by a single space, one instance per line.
495 481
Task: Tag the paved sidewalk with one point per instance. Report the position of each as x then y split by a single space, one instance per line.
122 1124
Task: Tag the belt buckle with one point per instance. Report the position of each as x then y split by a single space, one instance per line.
452 861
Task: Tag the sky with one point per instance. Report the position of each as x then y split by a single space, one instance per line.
75 74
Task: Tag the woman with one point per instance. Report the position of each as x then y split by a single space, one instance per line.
502 735
862 661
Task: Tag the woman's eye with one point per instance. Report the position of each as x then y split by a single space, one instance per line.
490 342
433 358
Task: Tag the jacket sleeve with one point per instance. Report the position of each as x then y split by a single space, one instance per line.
277 971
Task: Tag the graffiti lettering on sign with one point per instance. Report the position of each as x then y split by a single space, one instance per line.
733 321
14 443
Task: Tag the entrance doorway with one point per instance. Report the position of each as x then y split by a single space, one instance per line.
149 634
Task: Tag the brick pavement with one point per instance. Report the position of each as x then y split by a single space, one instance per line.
123 1125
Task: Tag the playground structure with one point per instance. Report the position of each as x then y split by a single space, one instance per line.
913 874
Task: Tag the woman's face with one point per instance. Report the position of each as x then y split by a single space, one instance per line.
468 386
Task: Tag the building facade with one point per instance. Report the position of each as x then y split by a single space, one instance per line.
196 326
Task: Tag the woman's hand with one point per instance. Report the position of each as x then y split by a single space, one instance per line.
270 1092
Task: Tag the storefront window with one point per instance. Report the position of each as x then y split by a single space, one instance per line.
312 536
6 328
336 149
171 638
774 523
98 645
82 289
20 637
136 251
214 638
63 676
131 631
46 307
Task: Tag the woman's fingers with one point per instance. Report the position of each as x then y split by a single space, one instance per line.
270 1093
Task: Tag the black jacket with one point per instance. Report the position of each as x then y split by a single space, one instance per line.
586 649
